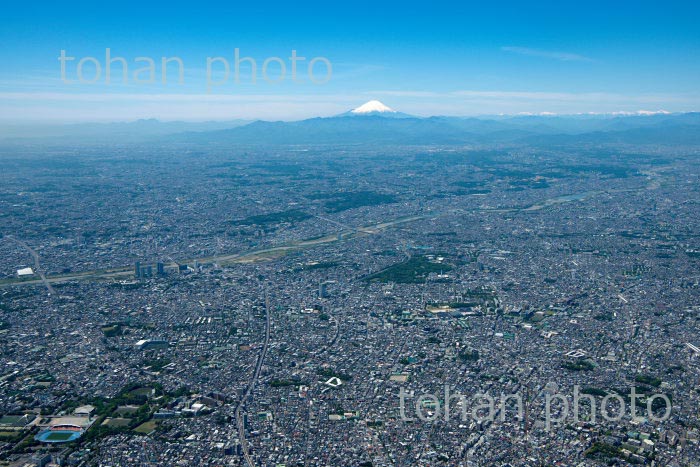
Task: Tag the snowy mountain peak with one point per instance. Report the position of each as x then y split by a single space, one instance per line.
371 107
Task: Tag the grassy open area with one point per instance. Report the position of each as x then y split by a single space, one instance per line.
142 392
117 422
9 435
58 436
146 427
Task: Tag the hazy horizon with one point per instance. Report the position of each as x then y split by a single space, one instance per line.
6 121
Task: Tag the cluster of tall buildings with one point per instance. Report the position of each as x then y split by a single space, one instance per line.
141 271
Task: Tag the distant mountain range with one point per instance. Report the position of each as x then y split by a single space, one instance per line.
136 131
375 123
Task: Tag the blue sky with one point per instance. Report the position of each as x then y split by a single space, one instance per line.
423 58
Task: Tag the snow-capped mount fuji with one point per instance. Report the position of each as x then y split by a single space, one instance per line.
375 108
372 107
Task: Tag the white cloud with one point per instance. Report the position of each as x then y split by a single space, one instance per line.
562 56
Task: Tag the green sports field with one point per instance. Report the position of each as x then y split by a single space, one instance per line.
58 436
